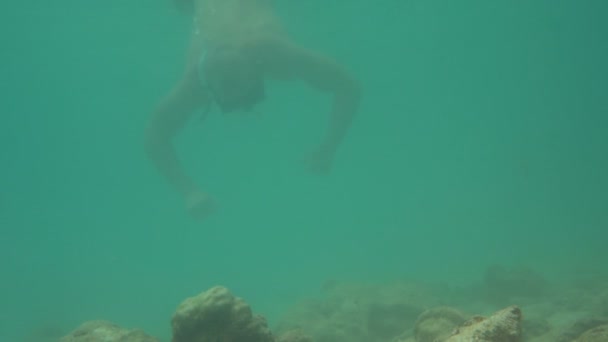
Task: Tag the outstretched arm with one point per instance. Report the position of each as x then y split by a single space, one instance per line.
326 75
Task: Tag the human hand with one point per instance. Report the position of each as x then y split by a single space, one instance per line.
199 205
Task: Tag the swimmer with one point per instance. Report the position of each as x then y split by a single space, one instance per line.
235 46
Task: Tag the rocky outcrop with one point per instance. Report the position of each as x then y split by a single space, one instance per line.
217 315
94 331
503 326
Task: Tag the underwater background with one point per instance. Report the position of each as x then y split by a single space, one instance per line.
482 140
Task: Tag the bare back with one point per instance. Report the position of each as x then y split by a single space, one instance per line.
235 21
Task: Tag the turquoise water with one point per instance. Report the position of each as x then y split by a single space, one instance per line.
482 138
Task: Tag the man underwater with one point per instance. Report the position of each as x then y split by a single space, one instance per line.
235 46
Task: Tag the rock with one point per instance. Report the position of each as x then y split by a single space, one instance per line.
503 326
103 331
597 334
217 315
437 324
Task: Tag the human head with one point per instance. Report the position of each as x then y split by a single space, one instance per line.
233 78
